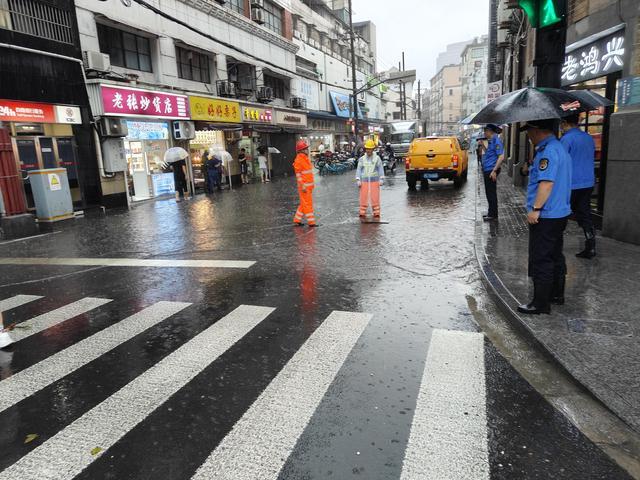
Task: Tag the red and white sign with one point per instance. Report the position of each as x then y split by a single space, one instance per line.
16 111
494 90
134 102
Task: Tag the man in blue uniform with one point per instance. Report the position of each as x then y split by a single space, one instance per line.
491 161
582 149
548 207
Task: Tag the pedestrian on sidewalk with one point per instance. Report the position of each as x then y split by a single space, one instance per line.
582 150
263 164
214 171
548 207
244 169
304 178
369 176
491 161
180 179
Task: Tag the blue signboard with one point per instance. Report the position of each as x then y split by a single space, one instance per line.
147 130
342 104
163 184
628 91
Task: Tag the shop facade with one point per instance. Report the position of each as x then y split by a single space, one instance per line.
42 137
332 131
293 126
149 117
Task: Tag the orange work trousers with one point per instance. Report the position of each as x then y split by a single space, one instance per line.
370 195
306 207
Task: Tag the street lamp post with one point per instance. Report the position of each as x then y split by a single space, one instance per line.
354 95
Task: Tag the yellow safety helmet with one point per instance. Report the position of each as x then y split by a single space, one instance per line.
370 144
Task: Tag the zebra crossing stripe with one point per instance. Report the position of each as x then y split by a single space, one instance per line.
448 439
54 317
17 301
67 453
261 441
29 381
127 262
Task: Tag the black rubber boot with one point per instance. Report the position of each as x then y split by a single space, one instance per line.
589 244
557 292
541 302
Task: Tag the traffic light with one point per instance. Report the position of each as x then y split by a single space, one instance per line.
544 13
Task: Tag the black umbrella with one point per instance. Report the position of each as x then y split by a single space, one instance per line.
538 103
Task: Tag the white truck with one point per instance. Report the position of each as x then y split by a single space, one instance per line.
401 134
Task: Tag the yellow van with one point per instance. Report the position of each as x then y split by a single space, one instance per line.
435 158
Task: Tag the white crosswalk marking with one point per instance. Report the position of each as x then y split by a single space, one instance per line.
262 440
448 438
54 317
127 262
67 453
29 381
17 301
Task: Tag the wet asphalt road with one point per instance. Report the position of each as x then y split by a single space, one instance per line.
415 275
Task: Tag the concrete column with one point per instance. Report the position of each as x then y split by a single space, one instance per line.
259 77
221 67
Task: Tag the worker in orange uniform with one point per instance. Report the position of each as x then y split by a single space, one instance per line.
304 178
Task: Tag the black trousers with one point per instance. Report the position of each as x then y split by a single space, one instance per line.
546 260
581 207
491 190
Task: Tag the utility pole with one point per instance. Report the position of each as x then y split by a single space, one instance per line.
419 103
404 94
354 84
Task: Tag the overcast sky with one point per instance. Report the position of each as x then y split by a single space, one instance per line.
422 28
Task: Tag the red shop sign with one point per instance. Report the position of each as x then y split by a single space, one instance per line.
15 111
134 102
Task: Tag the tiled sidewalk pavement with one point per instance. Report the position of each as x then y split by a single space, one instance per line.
596 334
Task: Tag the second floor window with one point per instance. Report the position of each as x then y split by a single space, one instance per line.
237 6
273 17
277 84
193 65
125 49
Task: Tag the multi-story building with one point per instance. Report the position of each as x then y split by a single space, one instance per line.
445 101
474 76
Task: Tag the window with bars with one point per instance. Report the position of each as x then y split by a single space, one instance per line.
273 17
277 85
193 65
237 6
125 49
35 18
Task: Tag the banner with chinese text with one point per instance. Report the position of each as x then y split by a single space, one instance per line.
213 110
134 102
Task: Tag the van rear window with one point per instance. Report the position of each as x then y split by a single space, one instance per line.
437 145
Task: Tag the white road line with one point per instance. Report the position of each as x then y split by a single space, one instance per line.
66 454
127 262
46 320
448 438
29 381
17 301
262 440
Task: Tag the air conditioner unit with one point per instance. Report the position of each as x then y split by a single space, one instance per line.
226 88
257 3
96 61
298 102
257 15
183 130
112 127
264 94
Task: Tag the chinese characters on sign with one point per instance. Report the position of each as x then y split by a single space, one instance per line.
494 90
209 109
256 115
596 59
291 118
135 102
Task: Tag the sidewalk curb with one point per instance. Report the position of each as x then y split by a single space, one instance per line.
506 303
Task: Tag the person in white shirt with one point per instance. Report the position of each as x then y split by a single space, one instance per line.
263 164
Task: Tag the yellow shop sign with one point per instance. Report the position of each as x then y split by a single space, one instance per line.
212 110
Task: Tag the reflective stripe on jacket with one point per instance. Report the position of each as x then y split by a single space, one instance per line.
304 170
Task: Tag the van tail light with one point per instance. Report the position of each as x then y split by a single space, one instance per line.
454 161
407 162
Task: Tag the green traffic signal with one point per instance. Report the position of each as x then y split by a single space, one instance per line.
543 13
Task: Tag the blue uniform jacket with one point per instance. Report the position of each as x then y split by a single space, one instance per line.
582 150
551 163
494 150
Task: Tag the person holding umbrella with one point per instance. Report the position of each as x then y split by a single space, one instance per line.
176 156
548 207
491 162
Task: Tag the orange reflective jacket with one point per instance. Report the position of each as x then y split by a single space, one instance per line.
304 170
